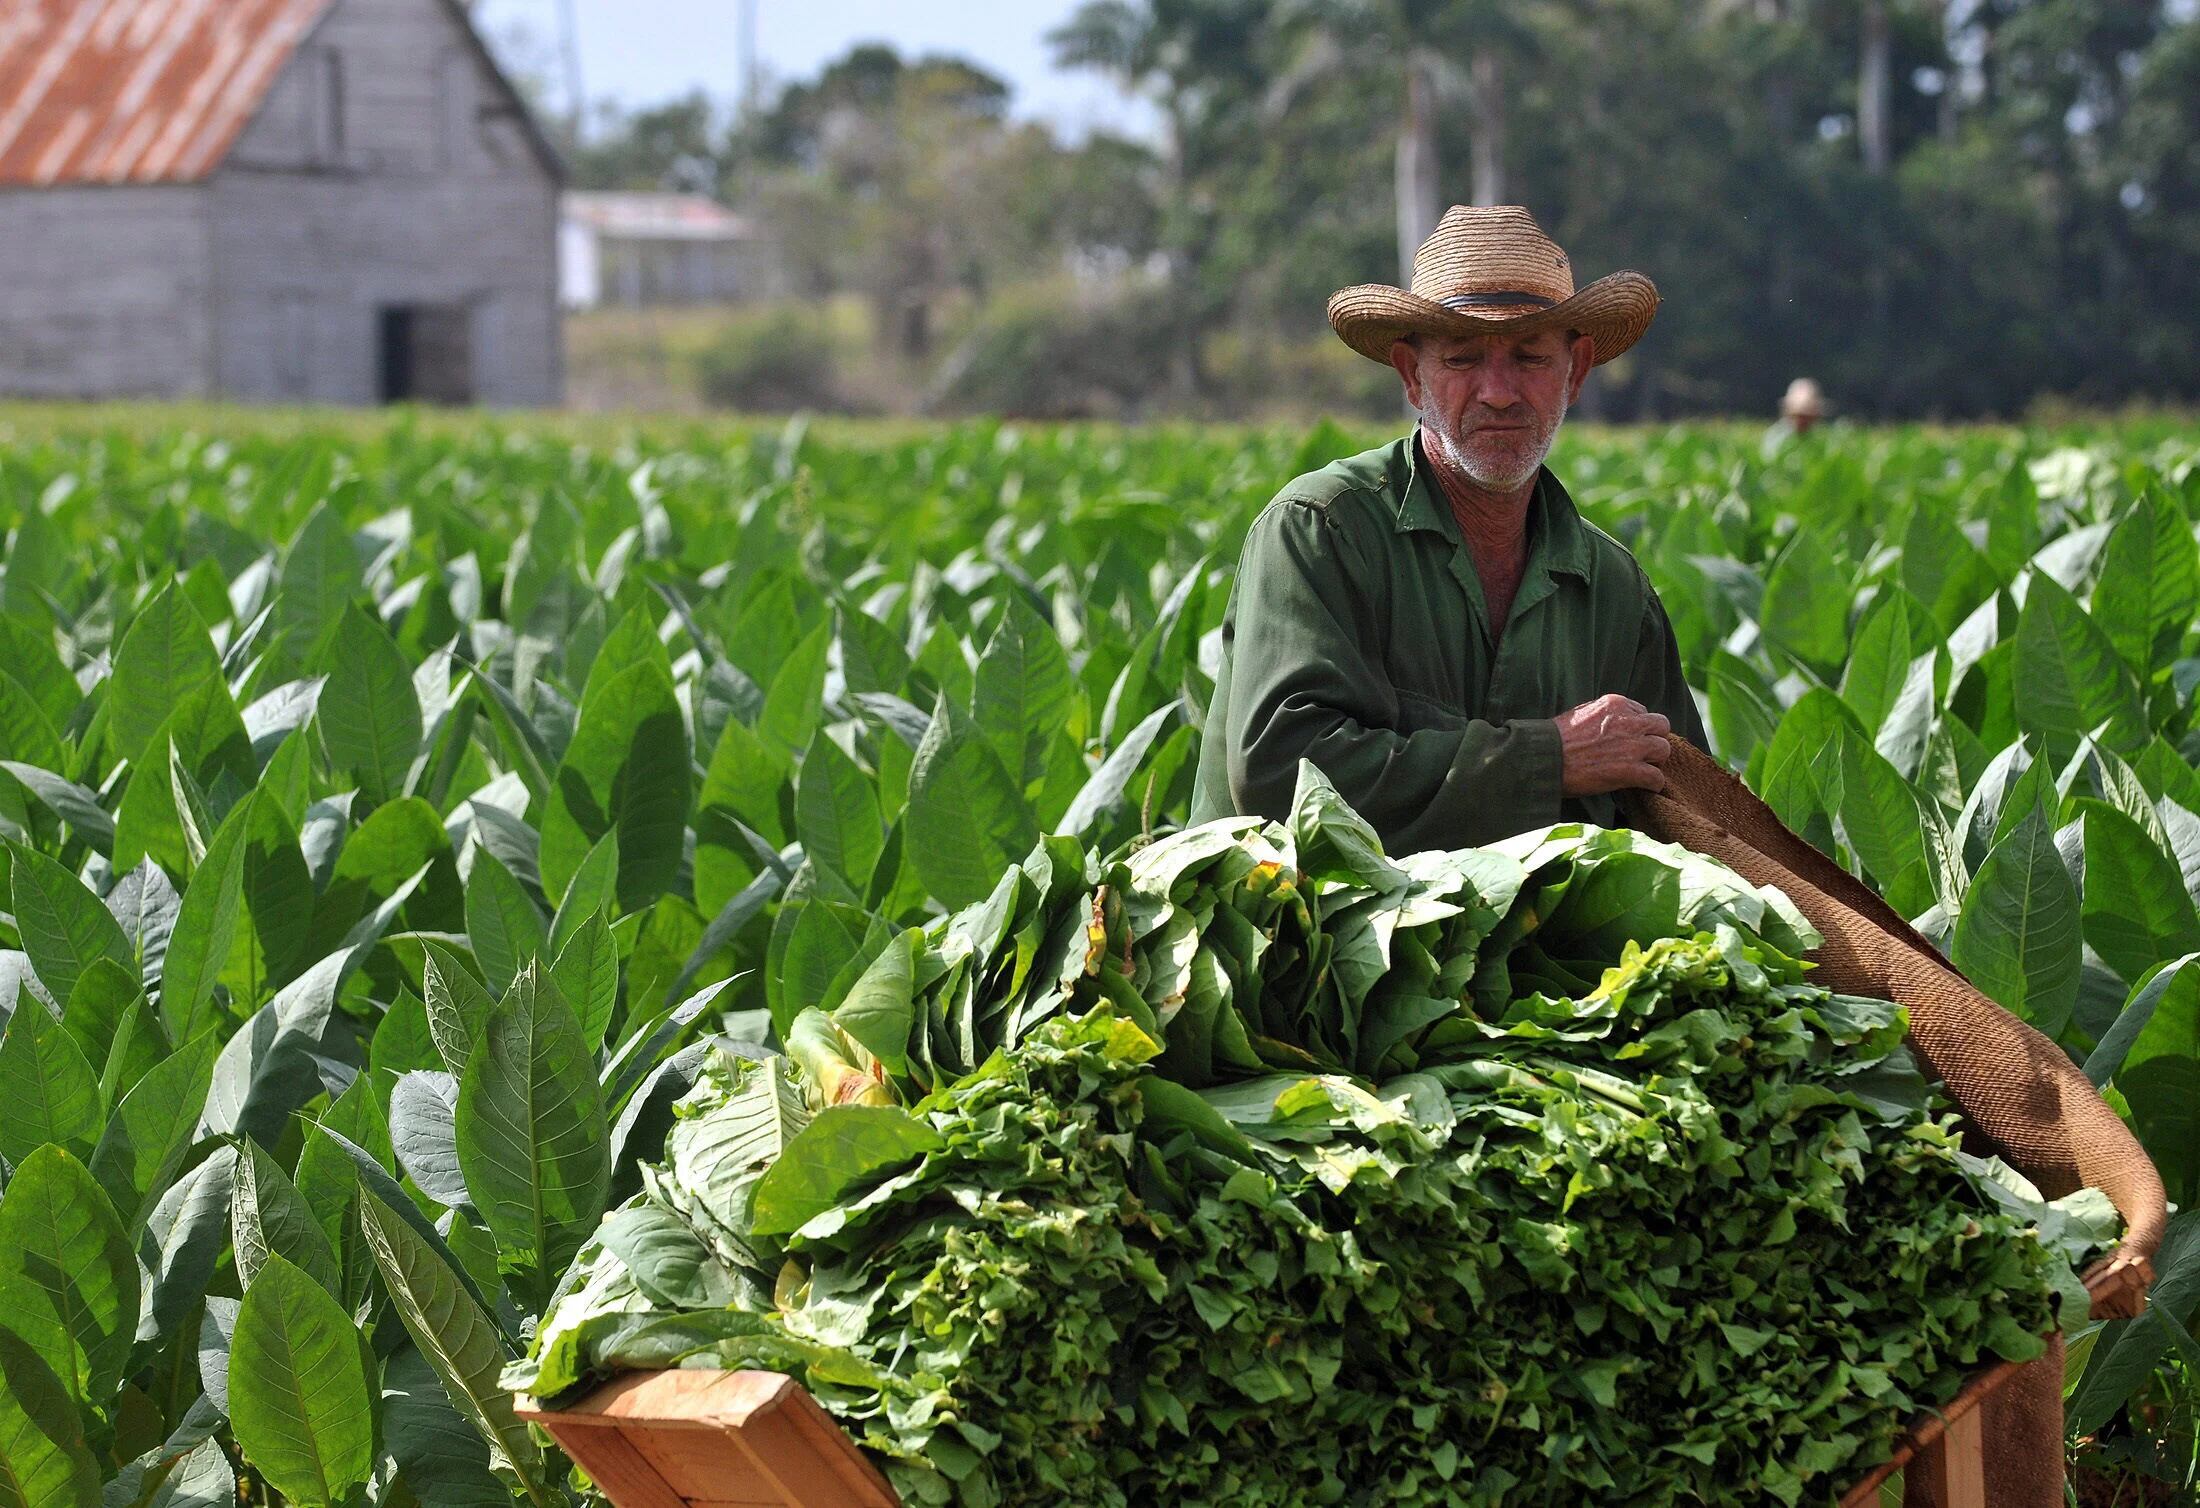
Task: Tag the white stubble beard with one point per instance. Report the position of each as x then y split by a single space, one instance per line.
1456 456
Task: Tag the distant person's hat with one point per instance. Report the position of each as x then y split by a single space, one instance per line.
1803 400
1489 271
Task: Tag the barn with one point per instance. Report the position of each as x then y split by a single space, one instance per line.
271 201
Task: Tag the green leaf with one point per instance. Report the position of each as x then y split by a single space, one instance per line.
64 926
278 900
149 1133
1802 770
1806 603
165 657
668 1260
1879 662
43 1456
98 1012
266 1071
1744 712
836 814
393 844
50 1091
319 577
2071 678
424 1135
206 928
26 734
1025 694
1897 832
327 1183
298 1388
2150 577
268 1218
742 786
502 923
202 1479
369 714
2160 1078
33 664
2136 910
594 890
627 768
844 1149
67 800
1103 791
454 1333
2179 974
68 1278
880 1007
457 1007
587 974
532 1136
189 1229
439 1455
2129 1350
793 705
967 821
2018 936
162 815
871 654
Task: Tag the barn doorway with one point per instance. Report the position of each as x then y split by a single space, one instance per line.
427 353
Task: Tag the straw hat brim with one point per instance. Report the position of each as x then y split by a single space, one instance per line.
1613 312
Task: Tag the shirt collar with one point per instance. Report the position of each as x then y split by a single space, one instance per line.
1558 539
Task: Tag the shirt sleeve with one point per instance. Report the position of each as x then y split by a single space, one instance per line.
1658 683
1307 682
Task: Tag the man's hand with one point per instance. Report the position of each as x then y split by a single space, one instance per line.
1611 744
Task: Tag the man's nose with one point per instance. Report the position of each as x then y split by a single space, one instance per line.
1500 384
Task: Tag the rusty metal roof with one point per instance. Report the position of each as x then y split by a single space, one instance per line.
136 91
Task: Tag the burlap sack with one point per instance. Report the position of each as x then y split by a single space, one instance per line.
2021 1095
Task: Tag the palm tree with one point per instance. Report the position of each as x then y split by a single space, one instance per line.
1434 50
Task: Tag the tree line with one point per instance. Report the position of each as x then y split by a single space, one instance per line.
1938 208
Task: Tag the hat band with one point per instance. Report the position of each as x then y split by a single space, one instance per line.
1497 300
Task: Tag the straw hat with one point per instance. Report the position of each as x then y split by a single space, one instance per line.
1489 270
1803 398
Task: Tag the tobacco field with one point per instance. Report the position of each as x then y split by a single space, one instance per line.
394 814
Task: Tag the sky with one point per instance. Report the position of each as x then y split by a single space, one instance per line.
640 52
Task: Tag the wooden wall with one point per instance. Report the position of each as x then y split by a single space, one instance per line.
103 292
385 168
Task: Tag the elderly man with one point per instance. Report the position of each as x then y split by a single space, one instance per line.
1432 623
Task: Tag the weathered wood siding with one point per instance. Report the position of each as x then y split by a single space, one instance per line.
384 169
103 292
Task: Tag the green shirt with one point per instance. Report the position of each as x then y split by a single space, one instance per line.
1356 636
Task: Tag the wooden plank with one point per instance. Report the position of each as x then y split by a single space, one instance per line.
1924 1436
796 1445
622 1472
1956 1467
736 1438
702 1464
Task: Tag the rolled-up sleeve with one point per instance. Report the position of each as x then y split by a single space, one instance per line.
1307 682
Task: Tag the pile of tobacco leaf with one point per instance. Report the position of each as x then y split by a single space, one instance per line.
1257 1167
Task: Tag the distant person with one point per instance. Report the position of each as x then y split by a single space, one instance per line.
1432 623
1801 407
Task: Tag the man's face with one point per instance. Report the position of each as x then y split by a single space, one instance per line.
1493 403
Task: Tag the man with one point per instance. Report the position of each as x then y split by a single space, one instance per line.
1432 623
1801 407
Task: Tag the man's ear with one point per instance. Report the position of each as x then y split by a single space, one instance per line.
1581 356
1406 357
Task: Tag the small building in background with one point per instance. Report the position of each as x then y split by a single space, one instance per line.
281 201
640 249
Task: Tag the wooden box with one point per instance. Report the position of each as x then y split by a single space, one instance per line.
758 1440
